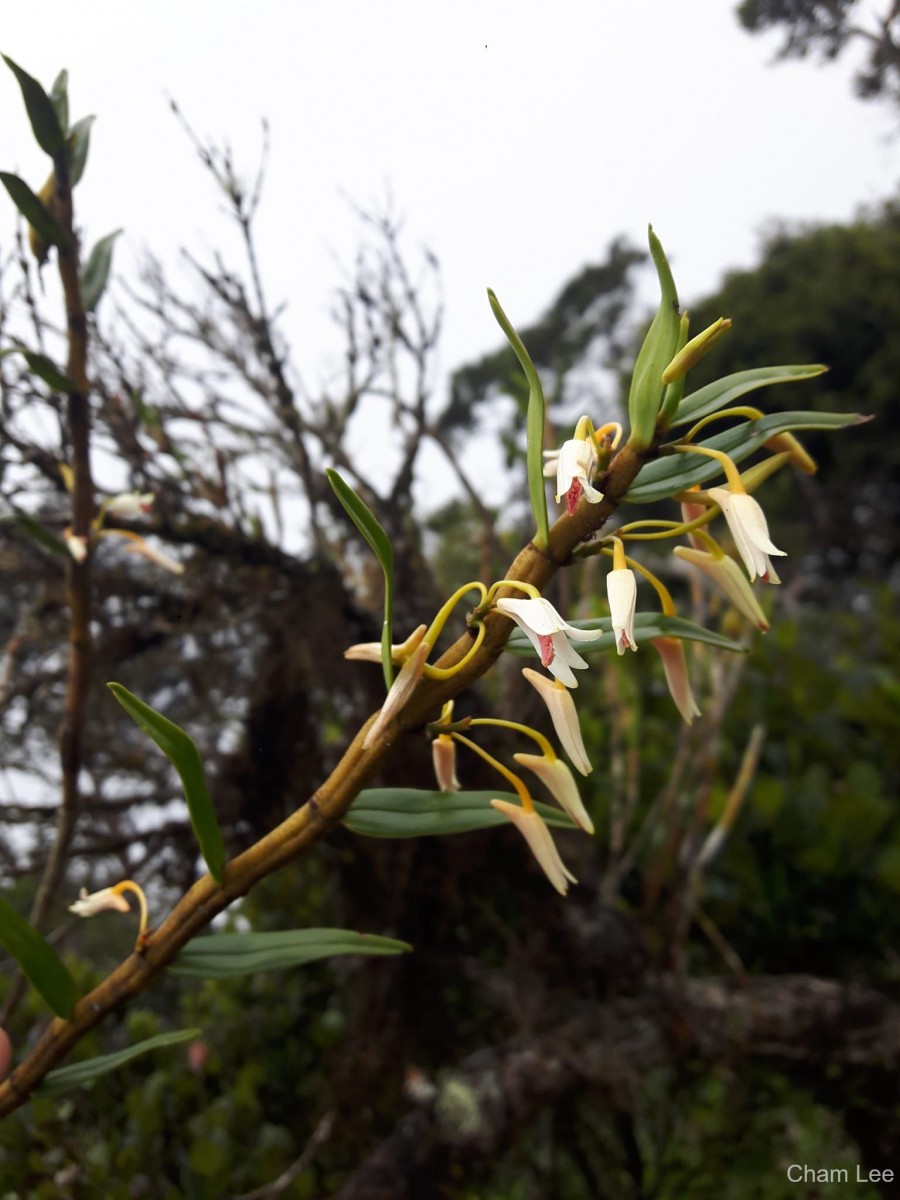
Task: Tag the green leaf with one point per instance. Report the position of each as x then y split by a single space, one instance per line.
41 112
534 426
227 955
47 370
725 391
43 367
675 472
79 144
647 625
34 212
647 390
39 961
379 543
59 98
95 273
83 1074
182 753
37 532
411 812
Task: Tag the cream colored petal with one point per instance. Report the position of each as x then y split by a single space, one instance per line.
540 842
371 651
727 575
621 590
560 783
401 690
89 904
78 546
443 756
564 716
155 556
671 651
747 523
130 504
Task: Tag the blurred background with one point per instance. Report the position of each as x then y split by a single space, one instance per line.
313 204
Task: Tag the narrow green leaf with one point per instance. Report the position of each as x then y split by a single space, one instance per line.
83 1074
411 812
34 212
181 752
79 144
725 391
645 396
95 273
379 543
675 472
38 532
43 367
59 97
41 112
228 955
47 370
534 425
38 960
647 625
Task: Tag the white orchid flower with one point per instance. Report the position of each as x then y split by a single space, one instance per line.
747 523
129 504
549 634
89 904
621 591
574 468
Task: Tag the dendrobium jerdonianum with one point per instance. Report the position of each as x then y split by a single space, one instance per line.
533 828
549 634
745 517
575 468
748 526
112 899
524 815
621 591
564 716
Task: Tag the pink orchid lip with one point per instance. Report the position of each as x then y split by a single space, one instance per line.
545 641
541 623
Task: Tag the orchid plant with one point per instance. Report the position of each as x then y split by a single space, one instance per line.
601 475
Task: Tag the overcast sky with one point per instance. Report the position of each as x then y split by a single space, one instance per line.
516 137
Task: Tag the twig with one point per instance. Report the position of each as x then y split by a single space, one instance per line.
270 1191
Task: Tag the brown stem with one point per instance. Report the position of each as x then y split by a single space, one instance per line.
78 580
325 807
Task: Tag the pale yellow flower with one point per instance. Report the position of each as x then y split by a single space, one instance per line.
540 842
560 783
564 716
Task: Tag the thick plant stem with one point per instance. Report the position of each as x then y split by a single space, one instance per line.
78 579
193 913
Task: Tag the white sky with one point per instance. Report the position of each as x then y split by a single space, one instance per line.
517 138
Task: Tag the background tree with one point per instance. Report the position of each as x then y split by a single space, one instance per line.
828 28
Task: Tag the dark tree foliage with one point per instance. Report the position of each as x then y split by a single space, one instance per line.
829 294
829 27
